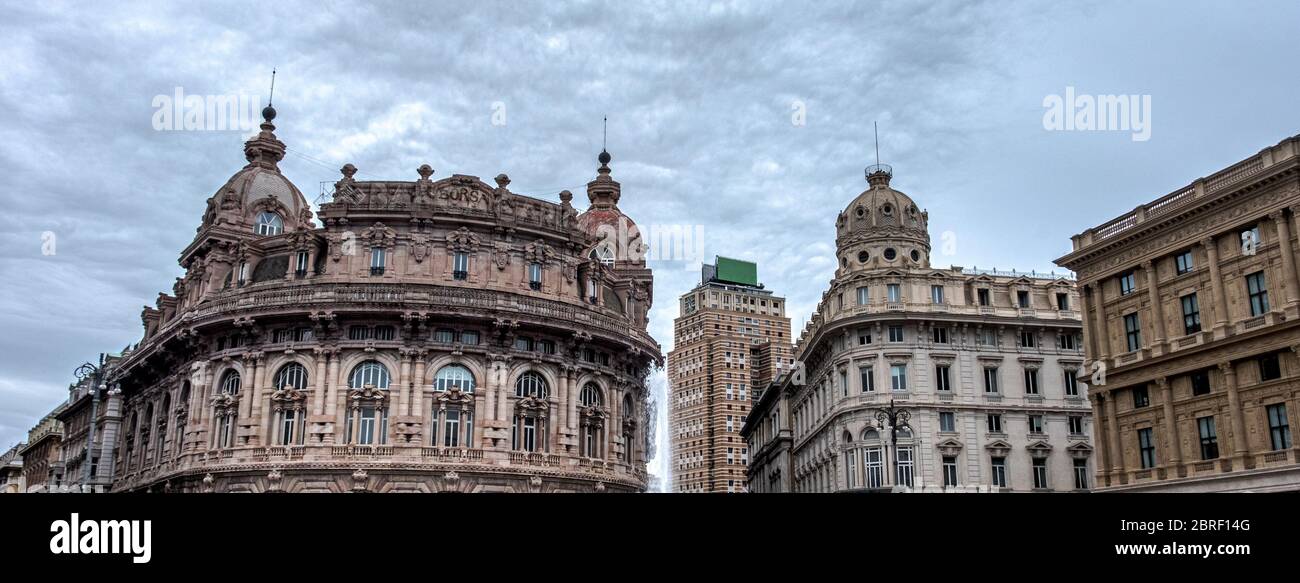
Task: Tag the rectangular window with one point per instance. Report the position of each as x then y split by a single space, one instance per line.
1258 290
1031 382
524 343
940 335
1279 428
1209 439
986 337
1067 342
444 336
994 423
535 276
1080 474
1076 425
1147 448
1062 301
990 379
864 296
1022 298
1127 284
1191 314
460 266
873 467
546 346
903 471
895 333
864 339
1040 473
1269 368
895 294
451 428
941 379
998 465
288 423
1183 262
301 265
844 383
1035 423
469 337
868 378
898 377
1140 397
936 294
1071 384
1200 382
982 295
1133 331
377 261
947 421
1027 339
366 431
949 470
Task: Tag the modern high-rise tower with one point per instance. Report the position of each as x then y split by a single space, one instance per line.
732 336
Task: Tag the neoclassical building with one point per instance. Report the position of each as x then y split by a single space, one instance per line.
982 364
1192 322
435 335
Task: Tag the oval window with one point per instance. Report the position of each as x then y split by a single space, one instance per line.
887 209
916 255
863 256
890 254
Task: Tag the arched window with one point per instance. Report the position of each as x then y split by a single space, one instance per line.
629 430
269 223
531 384
872 459
146 425
367 421
593 422
370 373
163 414
453 412
528 430
290 418
454 375
182 413
590 396
128 449
230 383
291 376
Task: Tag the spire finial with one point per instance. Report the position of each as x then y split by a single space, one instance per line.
604 156
268 112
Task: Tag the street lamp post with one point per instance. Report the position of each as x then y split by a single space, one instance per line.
895 417
96 374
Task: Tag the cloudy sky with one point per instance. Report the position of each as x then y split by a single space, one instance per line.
752 120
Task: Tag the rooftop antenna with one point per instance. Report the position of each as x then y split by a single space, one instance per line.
874 126
878 174
604 135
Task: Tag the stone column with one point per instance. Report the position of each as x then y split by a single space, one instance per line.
403 403
246 396
417 393
1089 333
562 423
1288 263
318 399
1157 309
255 408
1175 454
1240 449
1103 453
1112 431
332 392
1221 318
1103 338
573 399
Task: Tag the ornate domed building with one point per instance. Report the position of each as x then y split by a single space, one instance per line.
978 369
435 335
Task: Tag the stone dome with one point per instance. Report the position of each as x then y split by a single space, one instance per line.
259 187
615 234
880 228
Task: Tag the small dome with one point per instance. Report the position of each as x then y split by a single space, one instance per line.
882 227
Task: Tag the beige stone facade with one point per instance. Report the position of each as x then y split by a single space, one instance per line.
729 339
983 363
1193 327
11 471
43 456
432 335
